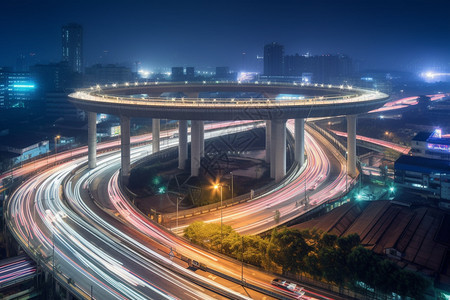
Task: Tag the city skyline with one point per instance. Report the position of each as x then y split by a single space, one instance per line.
201 34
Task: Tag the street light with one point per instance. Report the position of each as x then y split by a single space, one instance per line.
56 143
346 175
232 188
242 269
179 199
216 186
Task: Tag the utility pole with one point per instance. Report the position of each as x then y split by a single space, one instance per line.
232 187
242 269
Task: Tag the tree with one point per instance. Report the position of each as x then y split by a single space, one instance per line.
385 280
311 265
291 248
332 262
347 243
362 265
410 284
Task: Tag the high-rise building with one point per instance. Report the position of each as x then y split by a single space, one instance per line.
324 68
190 73
104 74
273 59
72 46
54 82
177 74
17 89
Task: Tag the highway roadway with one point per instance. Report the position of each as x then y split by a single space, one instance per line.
106 261
317 172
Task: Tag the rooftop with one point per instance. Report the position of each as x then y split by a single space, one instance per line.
420 234
421 164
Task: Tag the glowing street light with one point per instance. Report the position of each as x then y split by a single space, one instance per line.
216 186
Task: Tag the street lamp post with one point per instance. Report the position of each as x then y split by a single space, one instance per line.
178 201
346 175
56 145
221 215
53 264
232 187
242 269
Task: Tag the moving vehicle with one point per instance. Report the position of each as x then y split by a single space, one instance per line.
289 286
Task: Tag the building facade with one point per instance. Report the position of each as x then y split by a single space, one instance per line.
106 74
273 59
72 46
17 89
427 170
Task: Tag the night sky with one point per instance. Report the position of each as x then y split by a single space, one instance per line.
382 34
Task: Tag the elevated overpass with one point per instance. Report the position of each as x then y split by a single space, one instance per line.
149 99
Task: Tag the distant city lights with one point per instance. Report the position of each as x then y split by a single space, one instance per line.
247 76
435 76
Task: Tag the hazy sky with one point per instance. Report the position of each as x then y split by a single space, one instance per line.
383 34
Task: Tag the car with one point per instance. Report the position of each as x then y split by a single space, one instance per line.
288 286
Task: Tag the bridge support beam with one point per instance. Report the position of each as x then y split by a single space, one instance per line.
92 139
195 147
278 143
267 159
351 145
300 141
125 147
182 144
156 128
202 138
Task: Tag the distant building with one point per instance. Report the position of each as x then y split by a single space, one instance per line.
105 74
223 73
72 46
17 89
54 83
323 68
54 77
23 148
190 73
273 59
427 171
431 145
177 74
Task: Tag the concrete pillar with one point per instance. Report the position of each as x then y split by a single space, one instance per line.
182 144
92 139
267 141
278 140
156 126
299 141
125 146
351 145
195 148
202 138
273 145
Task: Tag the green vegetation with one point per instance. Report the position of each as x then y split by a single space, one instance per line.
339 260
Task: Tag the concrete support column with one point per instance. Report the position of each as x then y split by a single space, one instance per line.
125 146
202 138
182 144
300 141
92 139
195 148
156 126
273 145
351 145
278 142
267 141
